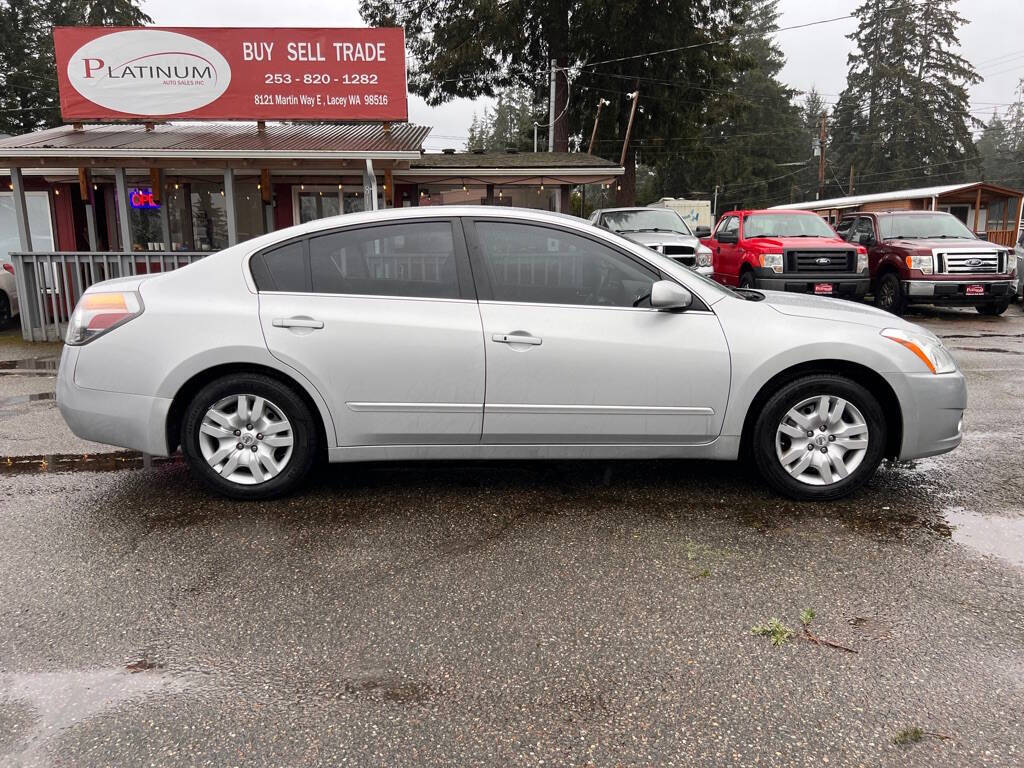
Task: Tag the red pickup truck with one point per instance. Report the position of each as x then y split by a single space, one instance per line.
930 257
786 251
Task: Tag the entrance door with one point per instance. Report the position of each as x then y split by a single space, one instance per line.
575 353
381 319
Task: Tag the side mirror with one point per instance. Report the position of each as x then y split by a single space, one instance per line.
728 237
865 239
702 231
667 295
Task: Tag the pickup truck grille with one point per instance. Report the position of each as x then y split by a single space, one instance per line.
821 261
973 262
674 251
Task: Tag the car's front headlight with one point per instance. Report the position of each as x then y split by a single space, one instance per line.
98 313
703 256
772 261
922 261
928 350
862 262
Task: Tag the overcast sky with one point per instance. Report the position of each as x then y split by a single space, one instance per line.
815 56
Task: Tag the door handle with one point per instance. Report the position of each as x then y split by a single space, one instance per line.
297 322
516 338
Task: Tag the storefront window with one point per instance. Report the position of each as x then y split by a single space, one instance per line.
209 216
317 201
39 223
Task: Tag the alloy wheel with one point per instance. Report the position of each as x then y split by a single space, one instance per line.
246 439
822 440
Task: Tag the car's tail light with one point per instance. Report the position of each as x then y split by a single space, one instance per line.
9 267
98 313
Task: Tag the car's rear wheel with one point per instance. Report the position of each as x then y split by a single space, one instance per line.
993 309
249 437
889 294
819 437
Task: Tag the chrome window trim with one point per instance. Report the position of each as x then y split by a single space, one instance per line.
366 296
594 306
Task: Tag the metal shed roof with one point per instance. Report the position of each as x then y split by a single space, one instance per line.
883 197
222 141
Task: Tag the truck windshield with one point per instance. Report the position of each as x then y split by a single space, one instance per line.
786 225
645 220
900 226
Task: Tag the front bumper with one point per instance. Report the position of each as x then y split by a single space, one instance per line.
955 291
137 422
933 411
845 286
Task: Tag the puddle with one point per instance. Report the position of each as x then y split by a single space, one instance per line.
19 399
990 534
46 366
989 349
84 462
61 700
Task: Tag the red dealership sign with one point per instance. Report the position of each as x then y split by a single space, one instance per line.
118 73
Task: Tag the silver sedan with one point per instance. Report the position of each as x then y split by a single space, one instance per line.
489 333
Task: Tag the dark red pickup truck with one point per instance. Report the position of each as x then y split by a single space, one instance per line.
930 257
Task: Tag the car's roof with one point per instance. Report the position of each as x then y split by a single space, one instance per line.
748 211
632 208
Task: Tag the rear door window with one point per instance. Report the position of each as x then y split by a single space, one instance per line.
281 269
415 260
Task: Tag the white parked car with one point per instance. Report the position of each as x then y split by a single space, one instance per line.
8 293
473 333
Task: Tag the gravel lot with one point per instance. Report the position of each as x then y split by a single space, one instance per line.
515 614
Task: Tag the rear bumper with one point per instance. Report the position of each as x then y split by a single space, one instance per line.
955 291
850 286
137 422
933 411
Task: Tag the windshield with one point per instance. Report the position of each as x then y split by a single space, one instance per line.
922 226
645 220
786 225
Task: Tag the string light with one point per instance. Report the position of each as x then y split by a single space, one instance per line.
176 186
302 187
56 191
258 186
542 186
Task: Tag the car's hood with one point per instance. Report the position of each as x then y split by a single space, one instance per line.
913 243
840 310
811 243
661 238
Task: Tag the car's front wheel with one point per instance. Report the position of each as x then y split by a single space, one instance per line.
819 437
248 436
889 294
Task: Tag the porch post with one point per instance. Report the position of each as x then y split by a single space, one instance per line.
21 210
267 195
370 186
25 274
977 210
165 212
85 193
121 179
229 205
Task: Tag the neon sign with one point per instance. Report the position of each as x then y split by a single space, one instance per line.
141 198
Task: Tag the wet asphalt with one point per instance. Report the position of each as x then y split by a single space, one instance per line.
565 613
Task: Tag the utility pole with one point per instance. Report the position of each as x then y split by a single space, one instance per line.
535 126
714 206
821 158
850 192
593 133
551 108
635 96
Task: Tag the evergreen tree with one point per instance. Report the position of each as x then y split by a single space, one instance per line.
28 77
903 118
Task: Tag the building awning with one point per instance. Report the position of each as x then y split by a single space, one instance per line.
124 144
509 168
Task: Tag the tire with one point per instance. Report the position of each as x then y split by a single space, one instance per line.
994 309
889 294
5 310
771 446
267 465
747 279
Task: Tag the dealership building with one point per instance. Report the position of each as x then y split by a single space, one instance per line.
115 192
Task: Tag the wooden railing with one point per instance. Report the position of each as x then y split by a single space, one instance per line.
1002 237
50 283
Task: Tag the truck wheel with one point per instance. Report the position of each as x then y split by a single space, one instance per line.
747 279
889 294
819 437
994 309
